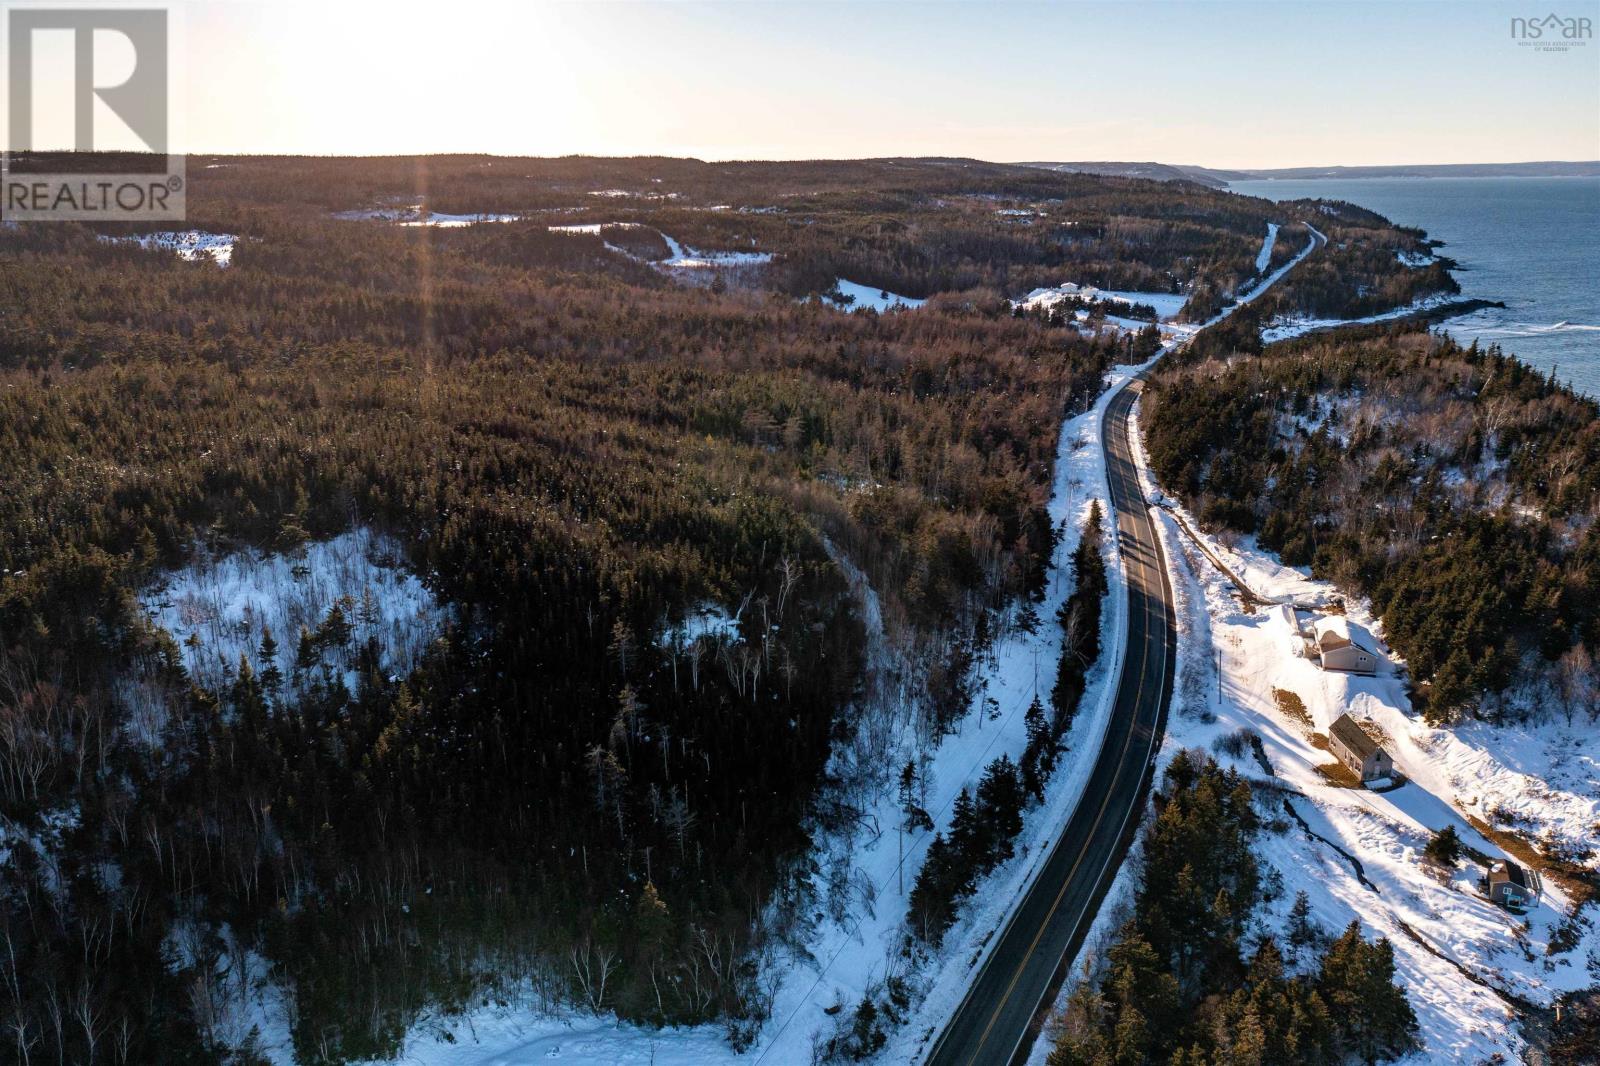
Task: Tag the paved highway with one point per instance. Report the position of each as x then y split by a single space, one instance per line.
1000 1016
998 1020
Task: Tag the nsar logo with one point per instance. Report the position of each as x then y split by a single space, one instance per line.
1552 33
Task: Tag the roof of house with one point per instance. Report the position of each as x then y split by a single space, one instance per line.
1335 632
1349 733
1506 870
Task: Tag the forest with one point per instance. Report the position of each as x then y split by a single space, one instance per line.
583 453
1182 983
578 785
1455 487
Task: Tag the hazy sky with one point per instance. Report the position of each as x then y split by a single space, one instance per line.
1212 82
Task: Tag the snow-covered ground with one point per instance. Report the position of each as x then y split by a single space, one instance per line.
1264 257
1166 304
679 257
1283 329
417 215
189 244
1455 952
709 620
436 218
216 608
520 1035
395 212
865 296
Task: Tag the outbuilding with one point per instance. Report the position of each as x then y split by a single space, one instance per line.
1364 756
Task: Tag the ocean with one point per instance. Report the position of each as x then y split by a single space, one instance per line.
1532 243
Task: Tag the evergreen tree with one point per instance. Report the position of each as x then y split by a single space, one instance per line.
1301 931
1038 756
1444 847
335 630
267 655
999 810
307 655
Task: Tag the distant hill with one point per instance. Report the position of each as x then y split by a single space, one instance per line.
1155 171
1551 169
1221 178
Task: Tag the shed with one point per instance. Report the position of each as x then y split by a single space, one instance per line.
1352 746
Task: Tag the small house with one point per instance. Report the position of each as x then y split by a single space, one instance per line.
1339 648
1512 886
1364 756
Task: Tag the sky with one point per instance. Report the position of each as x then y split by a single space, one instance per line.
1209 82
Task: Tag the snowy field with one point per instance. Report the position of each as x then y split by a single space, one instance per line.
190 244
1166 304
418 215
217 608
516 1037
679 257
865 296
436 218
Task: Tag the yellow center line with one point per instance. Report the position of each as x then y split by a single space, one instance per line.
1144 660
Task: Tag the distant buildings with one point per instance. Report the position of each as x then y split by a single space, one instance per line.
1352 746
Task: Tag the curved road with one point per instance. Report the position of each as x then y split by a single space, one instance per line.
999 1018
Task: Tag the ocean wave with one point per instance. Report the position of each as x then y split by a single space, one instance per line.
1518 329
